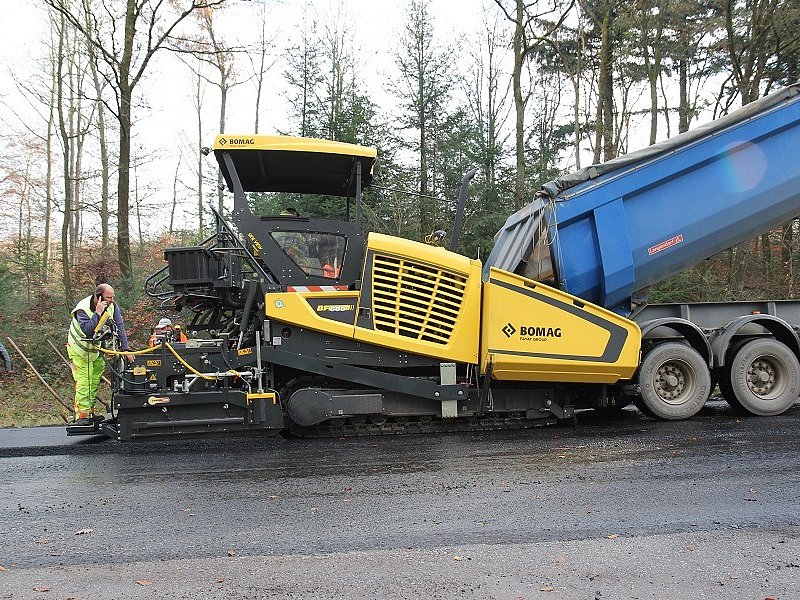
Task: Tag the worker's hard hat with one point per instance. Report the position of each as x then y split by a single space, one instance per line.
163 323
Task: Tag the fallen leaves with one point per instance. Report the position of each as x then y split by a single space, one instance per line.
86 531
231 552
613 536
41 588
2 568
548 588
144 582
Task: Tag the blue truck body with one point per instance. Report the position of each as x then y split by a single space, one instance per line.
612 230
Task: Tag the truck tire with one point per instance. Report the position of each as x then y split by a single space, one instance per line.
763 378
675 382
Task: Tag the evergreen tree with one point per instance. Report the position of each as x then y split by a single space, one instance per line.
423 88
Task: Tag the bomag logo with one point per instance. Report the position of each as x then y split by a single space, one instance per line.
532 333
243 351
153 363
335 307
242 141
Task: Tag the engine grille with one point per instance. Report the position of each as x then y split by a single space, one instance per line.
416 300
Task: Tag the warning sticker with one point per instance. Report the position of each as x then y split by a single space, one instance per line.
665 244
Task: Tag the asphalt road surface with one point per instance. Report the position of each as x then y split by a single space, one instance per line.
620 507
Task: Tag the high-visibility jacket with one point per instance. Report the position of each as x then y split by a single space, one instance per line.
76 338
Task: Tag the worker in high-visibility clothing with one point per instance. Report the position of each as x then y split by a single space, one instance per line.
93 322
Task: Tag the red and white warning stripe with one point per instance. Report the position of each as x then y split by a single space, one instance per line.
316 288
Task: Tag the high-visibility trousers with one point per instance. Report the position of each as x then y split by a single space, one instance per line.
87 370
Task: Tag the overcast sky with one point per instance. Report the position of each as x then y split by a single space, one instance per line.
166 128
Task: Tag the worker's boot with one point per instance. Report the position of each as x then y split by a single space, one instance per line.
83 419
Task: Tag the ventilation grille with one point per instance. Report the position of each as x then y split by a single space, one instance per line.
416 300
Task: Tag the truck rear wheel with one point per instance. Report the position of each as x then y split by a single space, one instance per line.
675 382
763 378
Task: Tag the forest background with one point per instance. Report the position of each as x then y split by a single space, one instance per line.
106 107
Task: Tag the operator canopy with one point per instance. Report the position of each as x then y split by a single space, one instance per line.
272 163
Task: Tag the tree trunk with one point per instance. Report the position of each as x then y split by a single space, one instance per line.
123 179
607 82
519 107
424 222
174 197
105 178
123 192
223 104
72 133
200 157
49 182
80 137
766 253
576 85
138 204
683 82
62 126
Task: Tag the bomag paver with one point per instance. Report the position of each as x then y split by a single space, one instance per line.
300 325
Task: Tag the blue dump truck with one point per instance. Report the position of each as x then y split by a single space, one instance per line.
303 326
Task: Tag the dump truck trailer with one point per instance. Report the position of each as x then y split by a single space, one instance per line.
301 326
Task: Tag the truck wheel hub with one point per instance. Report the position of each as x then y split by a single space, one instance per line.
761 377
670 382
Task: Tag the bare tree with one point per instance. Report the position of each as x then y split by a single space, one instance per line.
66 148
212 50
174 206
105 175
148 27
763 45
258 61
487 100
603 18
525 17
198 105
570 51
652 19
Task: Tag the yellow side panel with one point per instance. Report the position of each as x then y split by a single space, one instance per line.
532 332
331 312
421 299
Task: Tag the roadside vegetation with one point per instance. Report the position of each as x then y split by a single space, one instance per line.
536 89
37 316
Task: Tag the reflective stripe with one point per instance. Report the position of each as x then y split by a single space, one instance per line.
76 337
316 288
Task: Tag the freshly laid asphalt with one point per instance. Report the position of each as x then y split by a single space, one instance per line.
615 507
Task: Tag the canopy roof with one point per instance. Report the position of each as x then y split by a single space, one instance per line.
273 163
